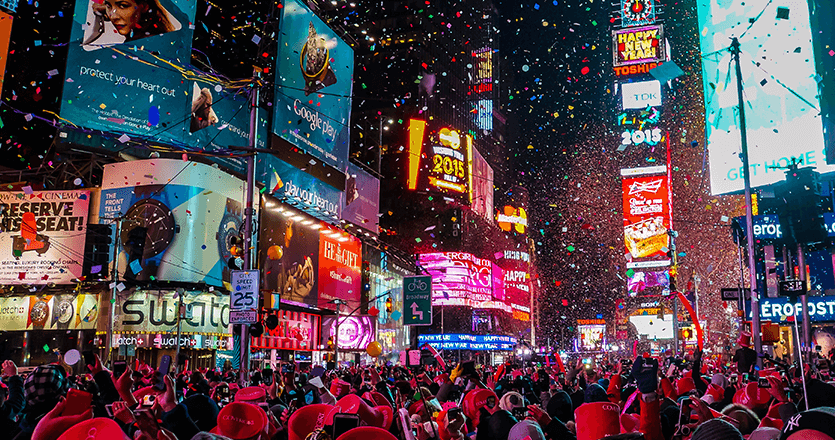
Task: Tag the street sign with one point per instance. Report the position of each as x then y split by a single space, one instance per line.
243 316
732 294
417 300
244 296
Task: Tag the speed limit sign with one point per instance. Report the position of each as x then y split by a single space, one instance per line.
244 296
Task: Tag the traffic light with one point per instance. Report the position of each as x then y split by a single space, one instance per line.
97 251
236 249
388 305
330 342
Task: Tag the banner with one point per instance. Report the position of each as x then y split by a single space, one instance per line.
155 311
118 72
295 331
646 217
49 312
43 236
314 85
781 87
191 212
361 204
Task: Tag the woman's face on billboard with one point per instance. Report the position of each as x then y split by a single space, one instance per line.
124 15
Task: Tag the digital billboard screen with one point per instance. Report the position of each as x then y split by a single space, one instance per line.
118 73
440 161
314 80
468 342
187 211
646 215
461 279
361 204
355 332
592 337
481 196
780 86
638 45
42 234
649 283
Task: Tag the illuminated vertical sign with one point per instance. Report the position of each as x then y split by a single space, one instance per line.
416 130
646 216
5 35
483 77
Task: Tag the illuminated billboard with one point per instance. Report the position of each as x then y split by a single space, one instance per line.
592 337
646 216
444 166
637 12
118 72
780 86
187 211
461 279
650 283
468 342
313 89
42 236
5 35
355 332
638 45
512 219
640 95
481 196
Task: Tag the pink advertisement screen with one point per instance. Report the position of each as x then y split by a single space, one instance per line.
461 279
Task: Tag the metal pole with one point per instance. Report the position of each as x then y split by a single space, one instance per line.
336 336
804 300
114 273
248 217
800 358
749 215
180 311
675 324
533 314
741 299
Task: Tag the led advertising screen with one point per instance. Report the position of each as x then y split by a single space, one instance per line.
780 87
315 75
461 279
468 342
5 33
155 311
306 261
512 219
637 12
361 204
178 219
650 283
440 161
43 236
517 287
652 327
481 196
646 216
592 337
637 45
118 77
355 332
640 95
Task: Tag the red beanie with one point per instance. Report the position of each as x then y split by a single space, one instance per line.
597 420
685 385
477 399
353 404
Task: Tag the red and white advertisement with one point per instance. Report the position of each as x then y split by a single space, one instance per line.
340 269
295 331
646 215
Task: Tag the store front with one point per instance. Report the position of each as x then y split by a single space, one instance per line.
145 326
821 315
34 329
385 277
295 339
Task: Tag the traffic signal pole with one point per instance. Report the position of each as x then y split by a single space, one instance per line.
749 214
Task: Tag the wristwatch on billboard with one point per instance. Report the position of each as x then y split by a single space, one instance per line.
158 218
88 311
38 313
63 311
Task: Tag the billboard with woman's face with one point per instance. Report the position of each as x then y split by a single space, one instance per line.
120 74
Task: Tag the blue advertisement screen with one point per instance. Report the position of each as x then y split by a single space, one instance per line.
313 84
120 67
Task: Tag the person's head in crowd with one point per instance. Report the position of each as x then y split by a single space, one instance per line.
595 393
560 407
497 425
526 429
716 429
203 411
45 386
814 424
747 420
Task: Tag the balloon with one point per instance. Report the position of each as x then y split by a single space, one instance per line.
275 252
374 349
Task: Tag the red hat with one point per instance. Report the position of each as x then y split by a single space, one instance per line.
388 415
307 419
597 420
628 423
744 339
376 397
714 394
477 399
752 396
251 394
94 429
240 421
340 388
685 385
353 404
771 422
367 433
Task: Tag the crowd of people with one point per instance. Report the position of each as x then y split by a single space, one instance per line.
641 398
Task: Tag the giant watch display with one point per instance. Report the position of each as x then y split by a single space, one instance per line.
38 313
161 227
62 311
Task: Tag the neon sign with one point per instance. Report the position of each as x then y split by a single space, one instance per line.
638 137
449 170
512 219
635 69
